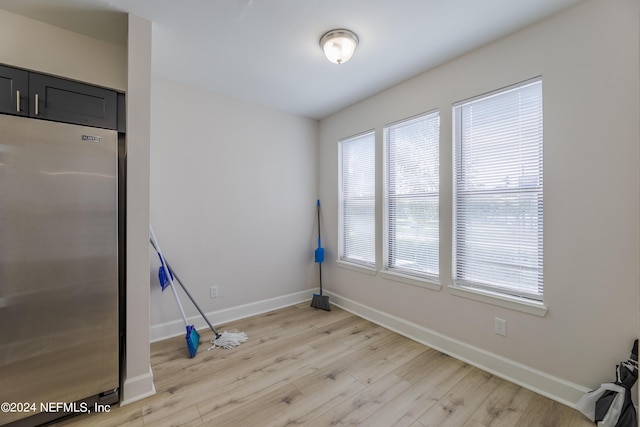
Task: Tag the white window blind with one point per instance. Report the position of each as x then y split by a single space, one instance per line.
357 200
411 192
498 192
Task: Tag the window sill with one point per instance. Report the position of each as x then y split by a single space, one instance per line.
513 303
356 267
411 280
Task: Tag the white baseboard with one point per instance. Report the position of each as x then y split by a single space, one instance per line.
137 388
540 382
176 327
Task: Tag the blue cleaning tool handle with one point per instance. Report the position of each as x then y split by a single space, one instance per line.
319 253
318 204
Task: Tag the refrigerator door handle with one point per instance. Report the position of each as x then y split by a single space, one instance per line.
18 101
36 104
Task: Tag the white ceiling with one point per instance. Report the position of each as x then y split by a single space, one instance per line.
267 52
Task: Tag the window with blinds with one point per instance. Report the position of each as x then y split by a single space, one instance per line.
498 192
411 193
357 200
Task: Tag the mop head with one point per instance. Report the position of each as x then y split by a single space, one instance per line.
228 340
193 340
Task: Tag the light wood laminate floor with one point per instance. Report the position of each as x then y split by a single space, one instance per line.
308 367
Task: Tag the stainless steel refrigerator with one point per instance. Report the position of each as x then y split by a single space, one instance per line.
59 325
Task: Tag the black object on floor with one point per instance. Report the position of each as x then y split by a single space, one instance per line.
320 301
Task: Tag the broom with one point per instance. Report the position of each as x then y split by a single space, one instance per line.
164 275
226 339
320 301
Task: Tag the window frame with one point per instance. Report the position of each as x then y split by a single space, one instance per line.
490 292
343 258
417 276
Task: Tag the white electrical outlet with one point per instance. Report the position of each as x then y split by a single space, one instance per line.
213 292
501 327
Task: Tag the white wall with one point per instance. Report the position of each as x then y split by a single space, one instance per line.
588 59
37 46
138 381
233 191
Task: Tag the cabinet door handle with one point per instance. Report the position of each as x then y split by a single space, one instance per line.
18 101
36 104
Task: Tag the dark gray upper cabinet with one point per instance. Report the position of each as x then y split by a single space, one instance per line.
14 91
52 98
67 101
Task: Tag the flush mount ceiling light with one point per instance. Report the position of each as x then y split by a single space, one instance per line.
339 45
